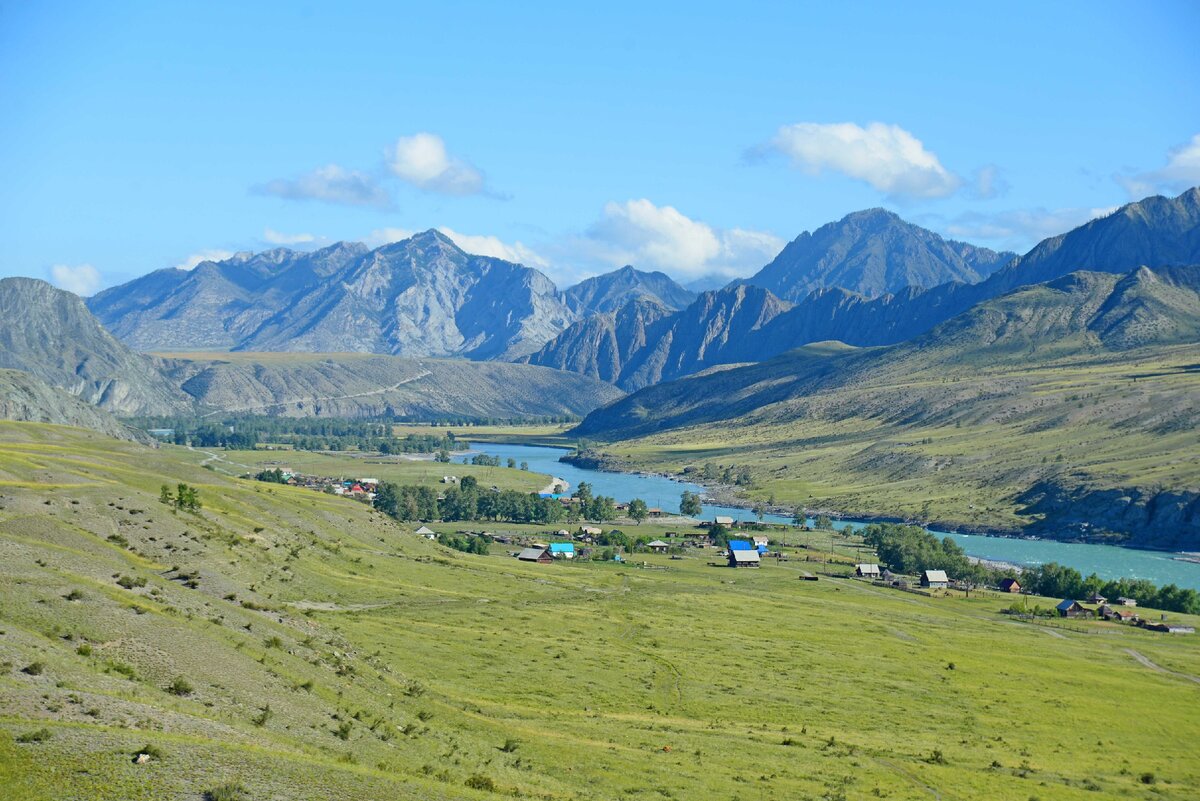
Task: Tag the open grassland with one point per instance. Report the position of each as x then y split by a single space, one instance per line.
305 647
958 447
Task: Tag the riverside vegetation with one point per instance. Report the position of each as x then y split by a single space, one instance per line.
279 642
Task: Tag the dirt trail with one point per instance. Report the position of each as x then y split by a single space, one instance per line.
379 391
1159 668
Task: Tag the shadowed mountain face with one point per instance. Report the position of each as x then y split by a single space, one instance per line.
423 296
51 334
609 292
872 253
25 397
1157 232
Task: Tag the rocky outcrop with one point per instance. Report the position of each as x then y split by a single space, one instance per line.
1135 516
26 398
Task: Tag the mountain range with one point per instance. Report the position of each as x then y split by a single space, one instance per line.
735 324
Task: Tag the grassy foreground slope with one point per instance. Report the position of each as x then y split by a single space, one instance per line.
318 650
1069 402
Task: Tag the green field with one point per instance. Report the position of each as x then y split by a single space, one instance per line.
321 651
954 446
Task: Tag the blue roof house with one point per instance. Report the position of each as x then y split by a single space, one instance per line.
562 550
740 545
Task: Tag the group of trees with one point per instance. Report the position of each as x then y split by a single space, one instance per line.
724 474
184 497
270 476
465 502
1056 581
472 543
593 507
308 434
912 549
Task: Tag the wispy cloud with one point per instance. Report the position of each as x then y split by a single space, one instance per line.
661 237
1182 171
1020 229
887 157
480 245
330 184
82 279
201 256
279 238
423 161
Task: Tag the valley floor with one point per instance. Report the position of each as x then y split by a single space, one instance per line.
303 646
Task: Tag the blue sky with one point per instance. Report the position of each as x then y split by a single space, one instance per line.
694 138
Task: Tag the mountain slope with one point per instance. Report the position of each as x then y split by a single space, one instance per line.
26 398
609 292
51 334
873 252
354 385
1066 389
423 296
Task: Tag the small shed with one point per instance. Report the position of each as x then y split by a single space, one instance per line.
935 579
1010 585
591 531
541 555
866 571
1123 601
658 546
425 531
562 550
744 558
1070 608
722 520
1097 598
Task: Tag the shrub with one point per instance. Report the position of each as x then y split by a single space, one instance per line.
152 751
180 686
74 595
478 781
264 714
37 736
84 649
510 745
226 792
34 668
129 582
343 730
1147 778
273 642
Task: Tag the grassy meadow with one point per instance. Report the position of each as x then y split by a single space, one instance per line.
298 645
849 450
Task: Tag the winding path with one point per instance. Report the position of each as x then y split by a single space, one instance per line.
1159 668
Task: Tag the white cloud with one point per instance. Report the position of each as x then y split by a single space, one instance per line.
887 157
330 184
279 238
194 259
471 243
661 237
422 160
1181 172
1021 229
83 279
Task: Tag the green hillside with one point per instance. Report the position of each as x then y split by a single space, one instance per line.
1058 405
301 646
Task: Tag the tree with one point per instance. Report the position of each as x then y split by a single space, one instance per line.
164 495
689 504
760 509
823 523
512 463
524 465
799 516
443 456
638 510
583 493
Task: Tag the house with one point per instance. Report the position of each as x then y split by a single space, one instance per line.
591 531
541 555
866 571
1069 608
760 541
658 546
1097 598
1123 601
721 520
1010 585
654 511
935 579
744 558
740 545
1167 628
1118 615
562 550
426 532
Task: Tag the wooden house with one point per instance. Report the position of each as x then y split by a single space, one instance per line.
867 571
1123 601
541 555
935 579
1010 585
1070 608
744 558
658 546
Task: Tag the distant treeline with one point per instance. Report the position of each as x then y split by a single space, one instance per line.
911 549
306 434
465 502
